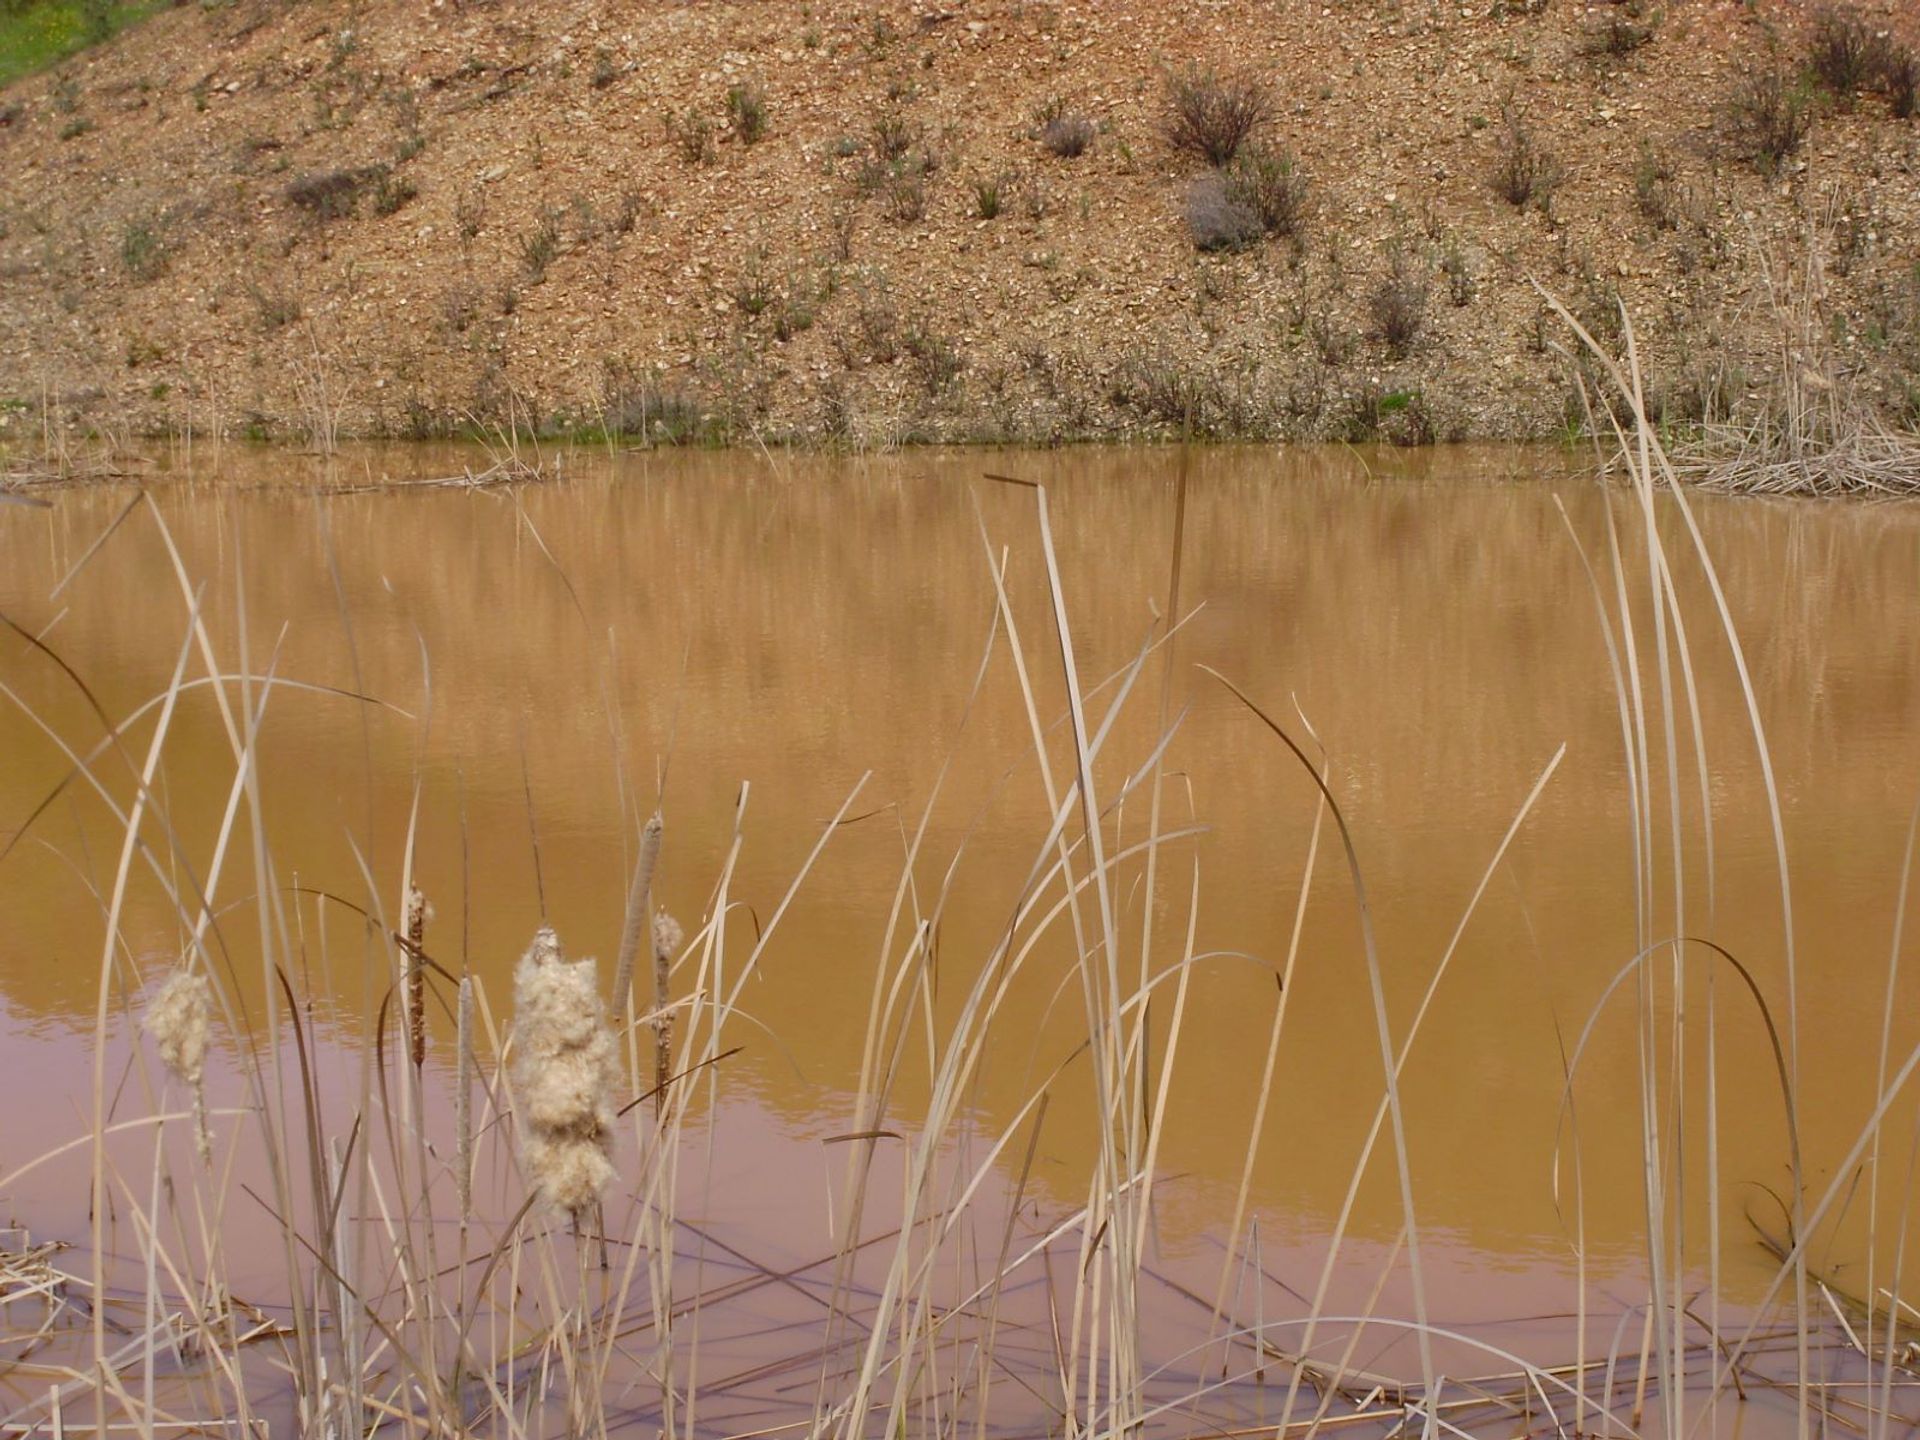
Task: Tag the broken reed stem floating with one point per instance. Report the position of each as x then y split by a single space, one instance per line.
178 1018
418 913
667 938
639 906
463 1097
565 1073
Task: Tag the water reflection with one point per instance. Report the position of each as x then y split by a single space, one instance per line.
547 661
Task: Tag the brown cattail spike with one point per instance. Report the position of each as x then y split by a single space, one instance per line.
667 939
418 913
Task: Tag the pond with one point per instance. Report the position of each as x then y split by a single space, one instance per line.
979 1115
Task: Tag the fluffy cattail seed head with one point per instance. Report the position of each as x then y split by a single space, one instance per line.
667 936
177 1019
566 1071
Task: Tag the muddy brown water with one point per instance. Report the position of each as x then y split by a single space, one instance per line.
698 627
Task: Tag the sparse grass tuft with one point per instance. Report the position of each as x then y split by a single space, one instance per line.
540 246
1653 188
143 249
1212 115
747 112
988 194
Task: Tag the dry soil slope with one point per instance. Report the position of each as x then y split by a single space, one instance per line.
529 237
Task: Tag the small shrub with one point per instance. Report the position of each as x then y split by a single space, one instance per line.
1398 304
877 319
658 411
1842 52
1066 133
754 292
906 193
329 194
892 136
1614 36
792 315
76 127
605 71
470 213
1653 189
626 214
274 309
987 196
1767 118
539 246
391 192
1213 115
459 308
143 249
936 362
1899 76
692 134
1524 171
1461 284
1219 221
747 110
1268 183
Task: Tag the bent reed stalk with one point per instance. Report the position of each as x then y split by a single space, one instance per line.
973 1307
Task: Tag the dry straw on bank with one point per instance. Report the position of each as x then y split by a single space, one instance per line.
566 1073
1812 425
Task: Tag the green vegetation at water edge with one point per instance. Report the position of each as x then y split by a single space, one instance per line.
35 35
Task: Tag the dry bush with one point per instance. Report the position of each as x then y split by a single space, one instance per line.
1807 423
1397 306
1767 118
330 194
1268 183
1615 35
692 135
1524 171
1899 76
1066 133
1217 219
1842 52
1213 115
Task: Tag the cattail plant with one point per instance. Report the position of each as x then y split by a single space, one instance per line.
177 1019
418 913
667 937
639 902
463 1097
565 1073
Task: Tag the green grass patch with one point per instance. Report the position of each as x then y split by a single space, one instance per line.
35 35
